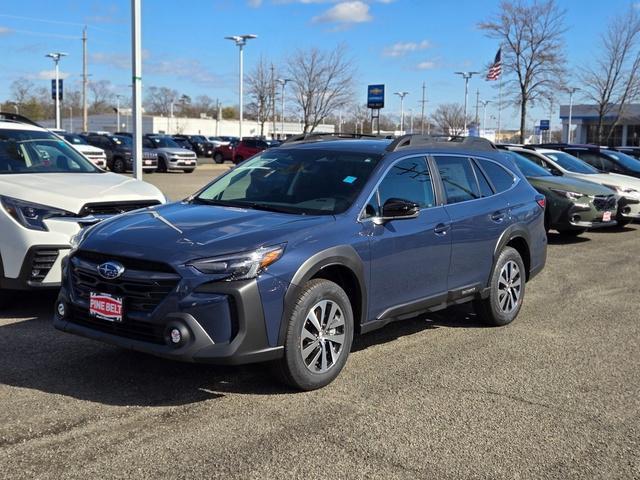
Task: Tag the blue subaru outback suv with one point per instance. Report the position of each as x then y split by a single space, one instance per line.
290 254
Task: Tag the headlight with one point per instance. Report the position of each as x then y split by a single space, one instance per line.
240 266
622 191
567 194
31 215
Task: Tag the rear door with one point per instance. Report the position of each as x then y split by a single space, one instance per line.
409 257
478 205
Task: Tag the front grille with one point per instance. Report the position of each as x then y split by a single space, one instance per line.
146 332
142 289
186 155
114 208
604 202
42 263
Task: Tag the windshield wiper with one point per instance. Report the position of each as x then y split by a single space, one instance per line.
250 205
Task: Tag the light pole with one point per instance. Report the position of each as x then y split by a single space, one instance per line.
466 76
118 112
70 119
283 82
240 41
484 113
401 95
411 120
16 108
571 91
56 56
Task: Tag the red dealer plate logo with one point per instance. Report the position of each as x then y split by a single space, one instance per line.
105 307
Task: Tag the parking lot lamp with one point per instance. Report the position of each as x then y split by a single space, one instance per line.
56 56
240 41
401 95
466 76
571 91
283 82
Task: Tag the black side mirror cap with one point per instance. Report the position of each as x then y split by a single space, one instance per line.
399 209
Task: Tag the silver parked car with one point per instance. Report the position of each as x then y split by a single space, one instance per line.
171 156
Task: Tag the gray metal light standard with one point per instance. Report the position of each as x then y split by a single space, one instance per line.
401 95
240 41
136 70
571 91
56 56
283 82
466 76
484 113
118 112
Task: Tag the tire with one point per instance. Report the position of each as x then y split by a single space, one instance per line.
118 165
490 309
5 299
162 165
319 367
218 158
237 160
572 233
623 221
188 170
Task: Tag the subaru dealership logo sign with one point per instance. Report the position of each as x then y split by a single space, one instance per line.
110 270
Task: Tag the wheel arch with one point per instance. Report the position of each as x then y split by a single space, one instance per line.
341 265
518 238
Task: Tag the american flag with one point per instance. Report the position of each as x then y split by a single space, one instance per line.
495 70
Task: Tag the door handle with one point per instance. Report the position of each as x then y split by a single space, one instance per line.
498 217
441 229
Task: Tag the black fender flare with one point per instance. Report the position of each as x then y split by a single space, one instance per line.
342 255
514 231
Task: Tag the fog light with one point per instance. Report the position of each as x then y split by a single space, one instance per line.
575 218
61 309
176 336
35 273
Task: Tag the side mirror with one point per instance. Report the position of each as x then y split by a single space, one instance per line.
398 209
556 172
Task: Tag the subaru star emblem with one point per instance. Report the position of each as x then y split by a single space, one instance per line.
110 270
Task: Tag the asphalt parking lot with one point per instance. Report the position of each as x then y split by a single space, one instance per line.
556 394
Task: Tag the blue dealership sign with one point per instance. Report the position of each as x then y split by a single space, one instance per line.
544 124
375 96
59 89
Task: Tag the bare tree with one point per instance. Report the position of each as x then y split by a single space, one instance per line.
531 35
449 117
611 82
322 83
260 83
22 90
159 99
102 96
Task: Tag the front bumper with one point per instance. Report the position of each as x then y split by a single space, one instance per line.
221 322
181 164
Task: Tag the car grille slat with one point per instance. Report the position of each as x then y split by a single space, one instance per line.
604 202
114 208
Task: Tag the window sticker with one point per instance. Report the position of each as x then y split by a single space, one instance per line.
349 179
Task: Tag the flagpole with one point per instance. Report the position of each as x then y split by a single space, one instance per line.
499 108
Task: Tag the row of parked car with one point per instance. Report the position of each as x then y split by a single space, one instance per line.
286 259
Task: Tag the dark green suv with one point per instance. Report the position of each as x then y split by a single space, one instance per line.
573 205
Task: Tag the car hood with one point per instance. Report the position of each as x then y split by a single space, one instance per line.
571 184
88 149
71 191
179 232
621 181
175 151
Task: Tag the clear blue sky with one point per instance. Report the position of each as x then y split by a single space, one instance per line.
400 43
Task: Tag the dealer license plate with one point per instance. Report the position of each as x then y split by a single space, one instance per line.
606 217
105 307
147 162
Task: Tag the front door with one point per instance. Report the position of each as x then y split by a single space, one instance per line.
409 257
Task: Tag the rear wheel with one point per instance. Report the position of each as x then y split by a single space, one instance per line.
218 158
319 336
507 285
162 165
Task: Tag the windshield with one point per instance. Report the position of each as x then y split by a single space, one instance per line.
623 159
75 139
314 182
528 168
164 142
198 138
123 141
29 151
571 163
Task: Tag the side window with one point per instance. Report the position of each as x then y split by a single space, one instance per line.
458 179
409 180
534 158
592 159
500 177
485 187
609 165
146 143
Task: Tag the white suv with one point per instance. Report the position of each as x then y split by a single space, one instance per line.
48 192
95 154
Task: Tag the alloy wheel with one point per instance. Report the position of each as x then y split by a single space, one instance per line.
323 336
509 287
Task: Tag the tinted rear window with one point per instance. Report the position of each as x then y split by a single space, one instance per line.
500 177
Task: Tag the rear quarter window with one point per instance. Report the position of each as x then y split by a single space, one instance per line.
501 178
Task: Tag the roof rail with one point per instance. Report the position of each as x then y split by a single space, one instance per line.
14 117
320 136
411 140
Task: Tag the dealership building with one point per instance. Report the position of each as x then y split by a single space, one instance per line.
182 125
584 122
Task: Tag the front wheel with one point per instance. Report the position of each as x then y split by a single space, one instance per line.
188 170
507 285
623 221
319 336
118 165
162 165
218 158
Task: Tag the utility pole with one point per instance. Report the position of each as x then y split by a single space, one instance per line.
424 103
136 67
85 81
466 76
